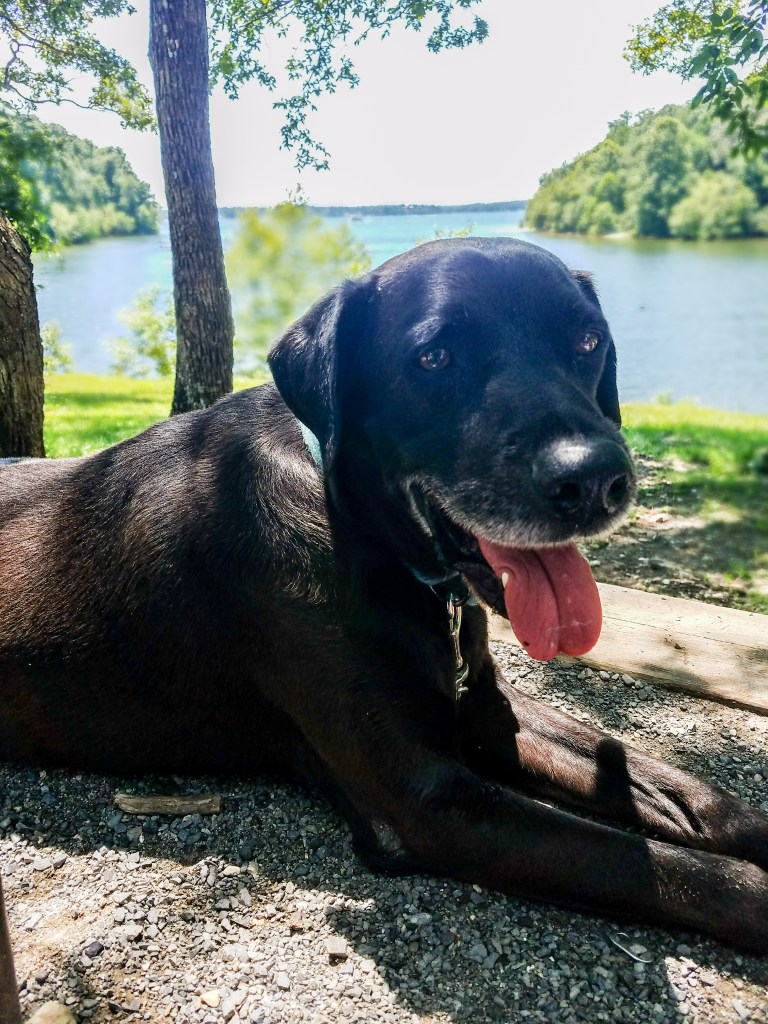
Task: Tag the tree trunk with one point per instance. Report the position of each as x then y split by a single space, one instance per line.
178 52
21 350
10 1012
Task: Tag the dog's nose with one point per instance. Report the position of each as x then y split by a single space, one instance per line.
584 481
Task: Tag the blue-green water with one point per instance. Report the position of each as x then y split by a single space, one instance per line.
690 320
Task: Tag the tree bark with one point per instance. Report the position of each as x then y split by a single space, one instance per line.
178 52
21 350
10 1012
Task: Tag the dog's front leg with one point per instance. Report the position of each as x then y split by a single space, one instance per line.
480 832
525 743
395 754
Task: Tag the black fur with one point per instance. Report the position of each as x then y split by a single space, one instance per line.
204 597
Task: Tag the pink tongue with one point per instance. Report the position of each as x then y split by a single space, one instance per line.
551 598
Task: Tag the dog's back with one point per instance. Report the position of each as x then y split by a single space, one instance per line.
131 583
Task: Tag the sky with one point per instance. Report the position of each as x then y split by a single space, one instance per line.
476 125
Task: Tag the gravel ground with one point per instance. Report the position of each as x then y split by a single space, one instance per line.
263 914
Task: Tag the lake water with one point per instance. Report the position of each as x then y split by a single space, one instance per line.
690 319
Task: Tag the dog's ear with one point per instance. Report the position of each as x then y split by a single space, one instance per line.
305 361
607 387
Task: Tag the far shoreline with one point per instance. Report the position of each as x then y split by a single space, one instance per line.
394 209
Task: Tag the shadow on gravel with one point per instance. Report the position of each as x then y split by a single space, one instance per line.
442 947
668 715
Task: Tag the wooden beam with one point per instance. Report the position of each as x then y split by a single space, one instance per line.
719 653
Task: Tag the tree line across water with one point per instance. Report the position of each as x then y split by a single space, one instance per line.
669 173
57 187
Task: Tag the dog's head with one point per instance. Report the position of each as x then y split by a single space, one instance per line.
465 398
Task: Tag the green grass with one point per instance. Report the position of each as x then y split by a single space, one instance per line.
723 444
705 461
84 413
710 469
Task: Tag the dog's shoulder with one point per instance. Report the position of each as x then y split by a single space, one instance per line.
243 437
234 478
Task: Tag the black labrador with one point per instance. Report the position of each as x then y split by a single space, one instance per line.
290 580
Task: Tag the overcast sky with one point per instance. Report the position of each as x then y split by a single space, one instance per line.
476 125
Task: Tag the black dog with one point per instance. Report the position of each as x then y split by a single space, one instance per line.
207 597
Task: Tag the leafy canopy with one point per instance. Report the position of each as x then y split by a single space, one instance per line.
23 144
725 44
57 357
240 28
149 348
280 262
48 39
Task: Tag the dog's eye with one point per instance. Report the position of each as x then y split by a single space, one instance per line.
435 359
588 343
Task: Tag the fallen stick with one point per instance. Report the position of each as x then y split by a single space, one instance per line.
203 803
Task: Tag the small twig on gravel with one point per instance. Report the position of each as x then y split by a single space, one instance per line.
203 803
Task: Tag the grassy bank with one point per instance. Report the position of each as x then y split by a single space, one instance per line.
84 413
700 527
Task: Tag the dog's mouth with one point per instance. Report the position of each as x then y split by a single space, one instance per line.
547 592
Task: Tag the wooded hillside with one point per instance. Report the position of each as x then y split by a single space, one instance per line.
56 186
668 173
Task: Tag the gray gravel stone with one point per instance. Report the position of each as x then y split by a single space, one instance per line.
336 948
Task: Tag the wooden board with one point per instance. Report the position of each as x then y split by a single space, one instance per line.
686 645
